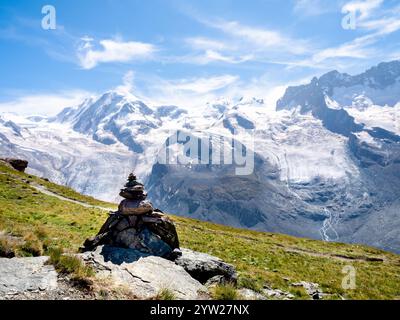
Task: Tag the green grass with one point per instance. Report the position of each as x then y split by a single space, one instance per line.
165 294
268 258
24 210
55 188
31 246
28 245
249 283
261 258
7 248
224 292
72 266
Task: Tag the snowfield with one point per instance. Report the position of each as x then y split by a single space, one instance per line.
323 156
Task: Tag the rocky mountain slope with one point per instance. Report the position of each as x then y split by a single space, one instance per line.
270 266
326 159
364 109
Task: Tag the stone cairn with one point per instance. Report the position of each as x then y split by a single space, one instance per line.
137 225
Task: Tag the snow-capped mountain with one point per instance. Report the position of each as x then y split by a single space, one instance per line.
364 110
59 153
326 159
112 118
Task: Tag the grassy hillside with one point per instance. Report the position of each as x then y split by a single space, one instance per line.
44 221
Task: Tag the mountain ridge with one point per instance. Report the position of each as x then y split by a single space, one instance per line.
319 154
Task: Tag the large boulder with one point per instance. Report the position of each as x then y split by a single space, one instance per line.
21 275
17 164
204 267
144 275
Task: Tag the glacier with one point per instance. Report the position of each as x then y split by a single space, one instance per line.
326 157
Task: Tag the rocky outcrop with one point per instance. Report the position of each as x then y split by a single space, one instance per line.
311 288
204 267
266 293
21 275
17 164
138 248
144 275
136 225
277 294
248 294
185 276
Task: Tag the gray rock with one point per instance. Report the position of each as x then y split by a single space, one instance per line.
105 257
145 276
203 267
249 294
20 275
311 288
214 281
17 164
277 294
143 240
135 207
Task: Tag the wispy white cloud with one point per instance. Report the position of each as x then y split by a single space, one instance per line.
354 49
189 92
371 19
196 92
364 8
243 43
46 104
262 39
112 51
314 7
127 85
202 85
394 56
210 56
239 43
382 26
372 16
203 43
206 50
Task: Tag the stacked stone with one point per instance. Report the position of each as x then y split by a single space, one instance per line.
137 225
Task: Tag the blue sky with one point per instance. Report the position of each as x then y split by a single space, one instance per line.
184 52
